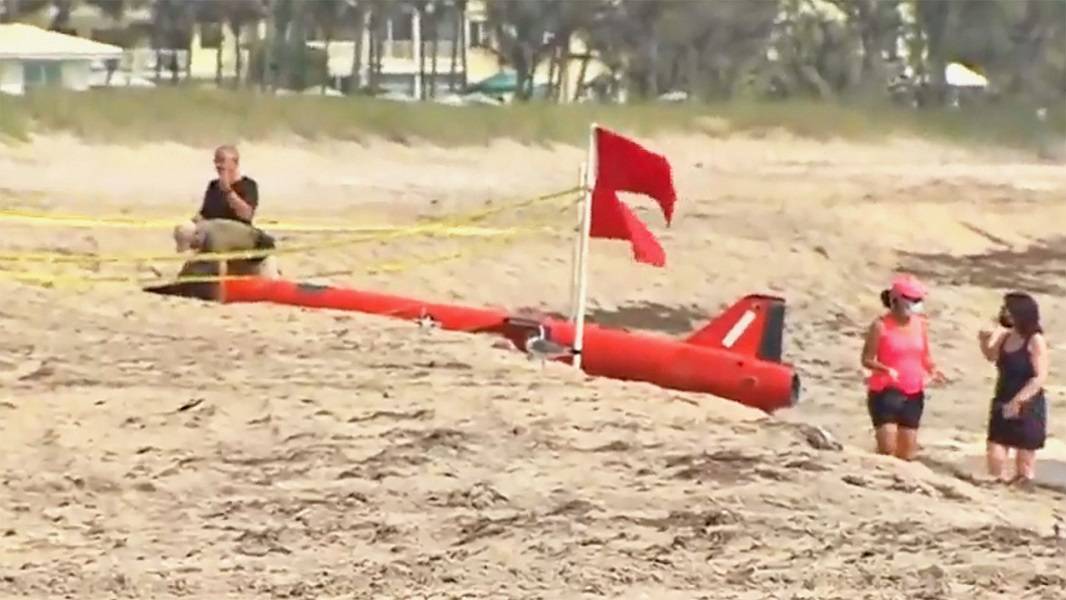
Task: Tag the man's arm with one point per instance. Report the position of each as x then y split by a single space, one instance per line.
251 193
242 207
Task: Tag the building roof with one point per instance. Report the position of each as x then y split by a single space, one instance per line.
21 41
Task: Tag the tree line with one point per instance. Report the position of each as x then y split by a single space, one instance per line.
705 49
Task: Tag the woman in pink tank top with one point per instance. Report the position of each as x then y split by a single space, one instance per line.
897 354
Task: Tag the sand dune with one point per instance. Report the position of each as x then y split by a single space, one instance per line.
155 447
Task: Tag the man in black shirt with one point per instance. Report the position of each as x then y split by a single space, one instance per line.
231 196
224 222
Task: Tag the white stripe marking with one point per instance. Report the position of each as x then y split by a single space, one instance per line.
738 329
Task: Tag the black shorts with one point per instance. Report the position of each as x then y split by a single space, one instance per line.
893 406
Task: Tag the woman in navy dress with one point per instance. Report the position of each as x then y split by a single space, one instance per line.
1018 416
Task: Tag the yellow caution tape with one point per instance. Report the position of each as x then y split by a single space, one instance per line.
77 221
51 279
44 278
25 217
43 218
441 227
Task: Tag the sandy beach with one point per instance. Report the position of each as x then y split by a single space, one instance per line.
154 447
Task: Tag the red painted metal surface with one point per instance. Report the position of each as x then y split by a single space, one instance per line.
738 375
448 316
736 356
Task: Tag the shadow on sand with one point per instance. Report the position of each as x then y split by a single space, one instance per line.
651 316
1038 268
1050 473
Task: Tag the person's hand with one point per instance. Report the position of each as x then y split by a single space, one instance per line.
937 377
892 373
225 181
984 336
1012 409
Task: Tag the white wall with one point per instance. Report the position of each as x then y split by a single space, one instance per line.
11 77
75 75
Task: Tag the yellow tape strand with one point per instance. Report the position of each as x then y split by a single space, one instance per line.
44 218
392 266
52 279
79 221
440 227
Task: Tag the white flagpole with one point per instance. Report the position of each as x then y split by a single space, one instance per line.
586 228
575 264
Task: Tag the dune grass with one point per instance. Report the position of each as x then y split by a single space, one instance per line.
204 116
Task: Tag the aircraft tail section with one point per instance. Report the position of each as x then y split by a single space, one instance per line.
752 326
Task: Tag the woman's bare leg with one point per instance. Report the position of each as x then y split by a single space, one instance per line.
1025 464
996 458
906 443
886 438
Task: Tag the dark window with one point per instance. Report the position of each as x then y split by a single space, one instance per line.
446 24
402 28
478 33
40 73
210 35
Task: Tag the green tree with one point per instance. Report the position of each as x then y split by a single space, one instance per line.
521 30
326 16
356 11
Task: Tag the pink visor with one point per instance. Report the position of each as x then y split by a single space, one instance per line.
908 286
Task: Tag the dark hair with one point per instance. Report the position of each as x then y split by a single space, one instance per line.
1024 313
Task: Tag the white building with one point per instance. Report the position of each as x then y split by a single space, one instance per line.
33 57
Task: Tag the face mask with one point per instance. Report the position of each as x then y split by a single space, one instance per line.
909 307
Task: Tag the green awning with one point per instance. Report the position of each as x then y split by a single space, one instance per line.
504 83
500 83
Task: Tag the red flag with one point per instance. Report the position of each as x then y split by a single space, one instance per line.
614 220
624 165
